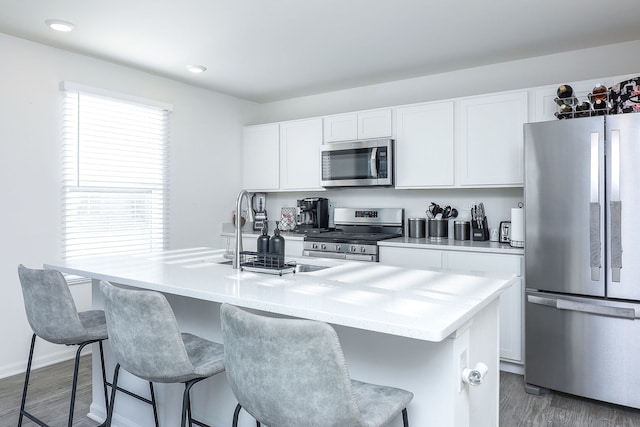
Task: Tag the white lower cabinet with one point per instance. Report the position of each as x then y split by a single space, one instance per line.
511 301
292 247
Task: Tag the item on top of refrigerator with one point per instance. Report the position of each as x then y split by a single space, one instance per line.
626 96
599 92
565 91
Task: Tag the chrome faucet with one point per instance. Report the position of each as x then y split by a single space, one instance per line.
236 255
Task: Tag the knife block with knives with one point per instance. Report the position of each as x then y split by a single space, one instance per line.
479 226
482 233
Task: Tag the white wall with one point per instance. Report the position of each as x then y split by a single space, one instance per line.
204 168
596 63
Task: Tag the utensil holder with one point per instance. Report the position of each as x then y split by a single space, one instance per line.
438 229
480 234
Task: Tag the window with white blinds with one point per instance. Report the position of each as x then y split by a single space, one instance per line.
114 175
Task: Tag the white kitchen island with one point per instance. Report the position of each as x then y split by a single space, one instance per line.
414 329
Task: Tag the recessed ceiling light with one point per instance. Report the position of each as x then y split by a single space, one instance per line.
196 69
59 25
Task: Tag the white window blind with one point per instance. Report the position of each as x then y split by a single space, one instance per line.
115 178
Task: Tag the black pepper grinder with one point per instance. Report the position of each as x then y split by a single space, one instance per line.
263 240
276 245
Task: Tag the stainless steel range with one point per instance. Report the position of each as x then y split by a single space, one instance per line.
357 233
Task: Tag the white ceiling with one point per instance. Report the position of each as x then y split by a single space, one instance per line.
265 50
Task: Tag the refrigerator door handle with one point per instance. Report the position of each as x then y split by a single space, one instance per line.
621 312
595 245
615 206
583 307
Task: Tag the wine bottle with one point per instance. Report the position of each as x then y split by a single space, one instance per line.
565 91
565 112
583 109
600 107
599 92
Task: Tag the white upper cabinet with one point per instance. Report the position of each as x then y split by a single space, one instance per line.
361 125
424 145
261 157
300 143
341 127
490 140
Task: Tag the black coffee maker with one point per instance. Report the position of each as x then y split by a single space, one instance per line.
312 214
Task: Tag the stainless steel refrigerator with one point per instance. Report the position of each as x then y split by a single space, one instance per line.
582 257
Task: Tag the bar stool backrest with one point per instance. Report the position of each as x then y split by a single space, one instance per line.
50 308
144 334
287 372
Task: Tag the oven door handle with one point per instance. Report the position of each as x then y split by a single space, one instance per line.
319 254
373 162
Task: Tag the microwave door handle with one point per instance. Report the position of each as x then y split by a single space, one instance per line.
373 162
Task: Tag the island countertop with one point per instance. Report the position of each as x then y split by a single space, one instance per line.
421 304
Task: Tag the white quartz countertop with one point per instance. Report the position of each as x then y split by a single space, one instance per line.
452 245
422 304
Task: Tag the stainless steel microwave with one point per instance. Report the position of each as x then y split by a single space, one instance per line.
357 163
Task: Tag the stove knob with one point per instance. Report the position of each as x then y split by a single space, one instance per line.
337 248
363 249
314 246
323 246
353 249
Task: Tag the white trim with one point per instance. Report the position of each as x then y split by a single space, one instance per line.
17 368
78 87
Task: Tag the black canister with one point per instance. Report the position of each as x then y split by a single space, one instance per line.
276 244
263 241
462 230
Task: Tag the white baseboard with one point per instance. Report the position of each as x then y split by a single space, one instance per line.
98 414
65 353
514 368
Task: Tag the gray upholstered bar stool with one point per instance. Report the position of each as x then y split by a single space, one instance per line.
146 342
292 373
53 316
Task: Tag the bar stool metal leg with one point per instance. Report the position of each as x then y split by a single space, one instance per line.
26 381
74 385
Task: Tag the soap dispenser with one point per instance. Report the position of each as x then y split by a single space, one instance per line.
276 245
263 240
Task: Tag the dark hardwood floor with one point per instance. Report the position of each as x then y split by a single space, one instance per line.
49 400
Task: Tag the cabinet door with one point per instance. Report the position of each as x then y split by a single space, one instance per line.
424 145
410 257
511 300
293 247
261 157
341 127
374 124
300 143
490 140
